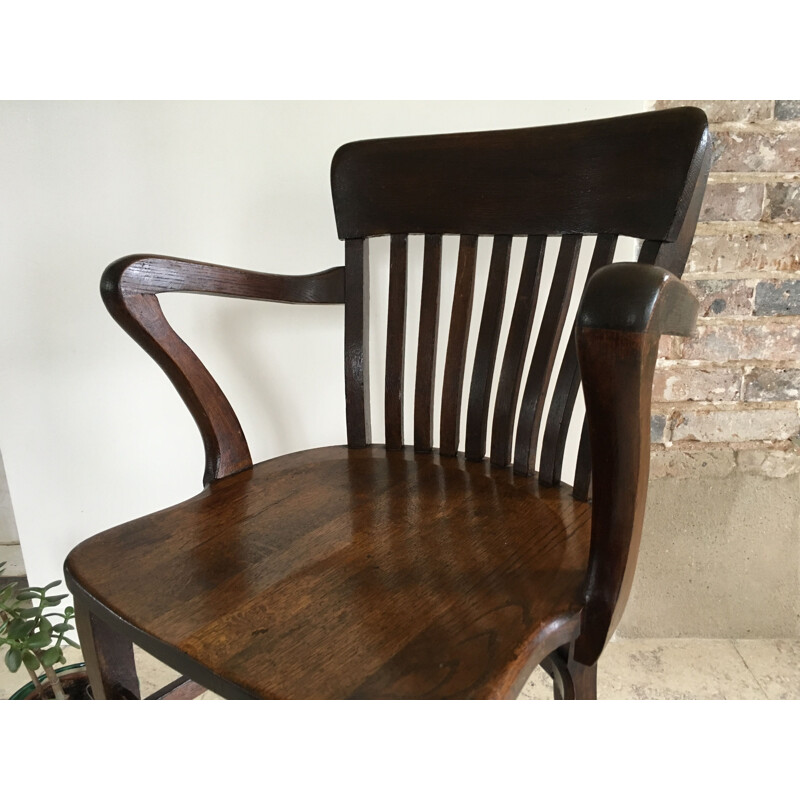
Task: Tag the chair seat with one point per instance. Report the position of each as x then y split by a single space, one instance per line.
336 573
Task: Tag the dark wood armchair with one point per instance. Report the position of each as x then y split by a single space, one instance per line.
403 570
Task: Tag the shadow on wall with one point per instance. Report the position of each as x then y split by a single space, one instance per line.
10 551
8 525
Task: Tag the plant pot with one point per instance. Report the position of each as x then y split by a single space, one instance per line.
74 681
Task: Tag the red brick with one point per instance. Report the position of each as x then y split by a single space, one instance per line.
782 202
754 339
756 152
733 201
742 252
787 109
711 424
762 384
723 298
777 298
669 346
676 383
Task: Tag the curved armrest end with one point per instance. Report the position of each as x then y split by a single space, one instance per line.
638 298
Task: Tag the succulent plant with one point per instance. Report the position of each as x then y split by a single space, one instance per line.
33 631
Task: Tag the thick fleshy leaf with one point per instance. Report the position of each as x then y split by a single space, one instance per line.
62 627
39 640
28 594
13 660
31 662
28 613
51 656
50 585
70 642
45 626
54 600
20 629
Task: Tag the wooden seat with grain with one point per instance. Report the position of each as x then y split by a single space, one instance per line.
404 570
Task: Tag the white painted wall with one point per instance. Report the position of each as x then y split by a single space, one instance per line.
91 432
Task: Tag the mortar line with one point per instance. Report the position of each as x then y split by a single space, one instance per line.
752 177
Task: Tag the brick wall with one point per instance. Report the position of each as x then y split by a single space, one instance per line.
730 397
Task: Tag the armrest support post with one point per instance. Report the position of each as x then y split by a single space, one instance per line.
624 310
129 287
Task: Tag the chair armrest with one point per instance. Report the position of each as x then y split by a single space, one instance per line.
129 287
638 298
624 310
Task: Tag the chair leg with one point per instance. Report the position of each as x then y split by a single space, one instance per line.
108 656
571 679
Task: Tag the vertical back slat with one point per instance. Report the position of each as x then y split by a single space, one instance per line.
519 333
453 381
544 355
395 341
426 348
567 384
356 342
486 349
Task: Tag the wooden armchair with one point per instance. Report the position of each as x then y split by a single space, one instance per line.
403 570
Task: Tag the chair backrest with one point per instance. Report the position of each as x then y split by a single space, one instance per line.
640 176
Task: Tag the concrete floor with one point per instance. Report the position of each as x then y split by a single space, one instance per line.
630 669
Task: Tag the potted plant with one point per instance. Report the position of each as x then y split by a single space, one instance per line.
32 632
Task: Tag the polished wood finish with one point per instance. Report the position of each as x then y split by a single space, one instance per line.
395 341
544 356
519 335
333 573
567 385
617 348
393 571
129 287
571 679
182 688
625 175
426 347
456 359
356 342
486 351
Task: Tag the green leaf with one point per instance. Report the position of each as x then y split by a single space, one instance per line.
28 594
50 585
13 660
69 611
45 626
20 629
62 627
28 613
51 656
54 600
39 640
31 662
70 642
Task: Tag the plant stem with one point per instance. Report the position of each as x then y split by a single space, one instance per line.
52 679
35 681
